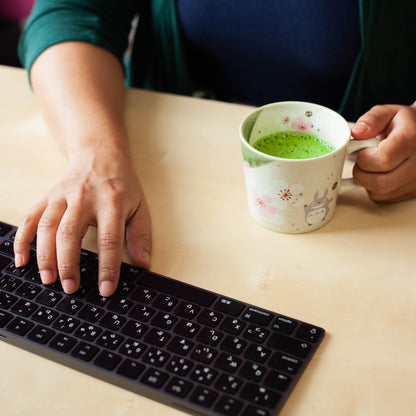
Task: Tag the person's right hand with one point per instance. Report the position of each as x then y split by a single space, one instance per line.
97 191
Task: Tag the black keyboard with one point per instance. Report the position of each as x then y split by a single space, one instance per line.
195 350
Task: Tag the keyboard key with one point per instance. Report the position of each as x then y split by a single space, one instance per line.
277 380
210 336
131 369
258 316
229 406
257 353
5 317
233 345
4 228
84 351
232 325
45 315
113 321
256 333
179 365
309 333
178 387
110 340
157 337
284 324
9 283
260 395
255 411
62 343
20 326
132 348
28 290
204 374
290 345
180 345
91 313
69 305
211 318
177 289
203 396
187 310
66 323
41 334
286 363
155 357
143 295
7 300
49 297
187 328
6 247
228 362
107 360
229 306
87 331
228 383
253 371
204 354
24 307
4 261
134 329
164 320
154 378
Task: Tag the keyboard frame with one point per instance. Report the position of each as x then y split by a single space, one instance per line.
112 377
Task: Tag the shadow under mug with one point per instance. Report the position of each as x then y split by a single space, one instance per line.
296 195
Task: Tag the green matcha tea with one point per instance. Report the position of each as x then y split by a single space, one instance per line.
293 145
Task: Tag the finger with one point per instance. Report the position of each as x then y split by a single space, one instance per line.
71 230
387 186
389 154
139 236
25 234
374 122
46 241
110 241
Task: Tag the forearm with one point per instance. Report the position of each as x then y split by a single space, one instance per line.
80 88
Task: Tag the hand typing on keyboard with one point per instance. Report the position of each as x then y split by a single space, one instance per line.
110 199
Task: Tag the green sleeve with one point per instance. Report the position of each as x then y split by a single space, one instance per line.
105 23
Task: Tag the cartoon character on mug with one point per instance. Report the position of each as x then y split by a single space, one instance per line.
318 209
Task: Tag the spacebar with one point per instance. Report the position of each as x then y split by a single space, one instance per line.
176 288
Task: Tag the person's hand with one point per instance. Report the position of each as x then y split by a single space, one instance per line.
92 192
388 171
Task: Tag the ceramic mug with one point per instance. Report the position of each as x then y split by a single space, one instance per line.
296 195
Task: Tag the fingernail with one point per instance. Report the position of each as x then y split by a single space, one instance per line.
18 260
360 127
69 286
106 288
47 277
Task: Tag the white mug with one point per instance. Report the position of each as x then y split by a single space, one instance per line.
296 195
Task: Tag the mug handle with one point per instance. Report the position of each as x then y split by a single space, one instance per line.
353 146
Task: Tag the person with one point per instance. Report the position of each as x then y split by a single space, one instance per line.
354 56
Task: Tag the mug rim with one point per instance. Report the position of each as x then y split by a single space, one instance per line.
283 103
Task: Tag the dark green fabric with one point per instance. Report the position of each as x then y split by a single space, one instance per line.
383 72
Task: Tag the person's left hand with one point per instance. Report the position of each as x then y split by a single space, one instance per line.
387 171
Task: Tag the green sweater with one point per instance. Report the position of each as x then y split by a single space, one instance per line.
383 71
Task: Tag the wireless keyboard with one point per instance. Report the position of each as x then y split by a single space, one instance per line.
181 345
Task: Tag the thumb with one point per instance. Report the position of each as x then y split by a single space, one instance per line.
139 236
374 122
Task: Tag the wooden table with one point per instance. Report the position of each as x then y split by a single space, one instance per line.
356 277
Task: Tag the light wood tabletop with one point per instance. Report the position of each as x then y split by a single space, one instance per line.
356 277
